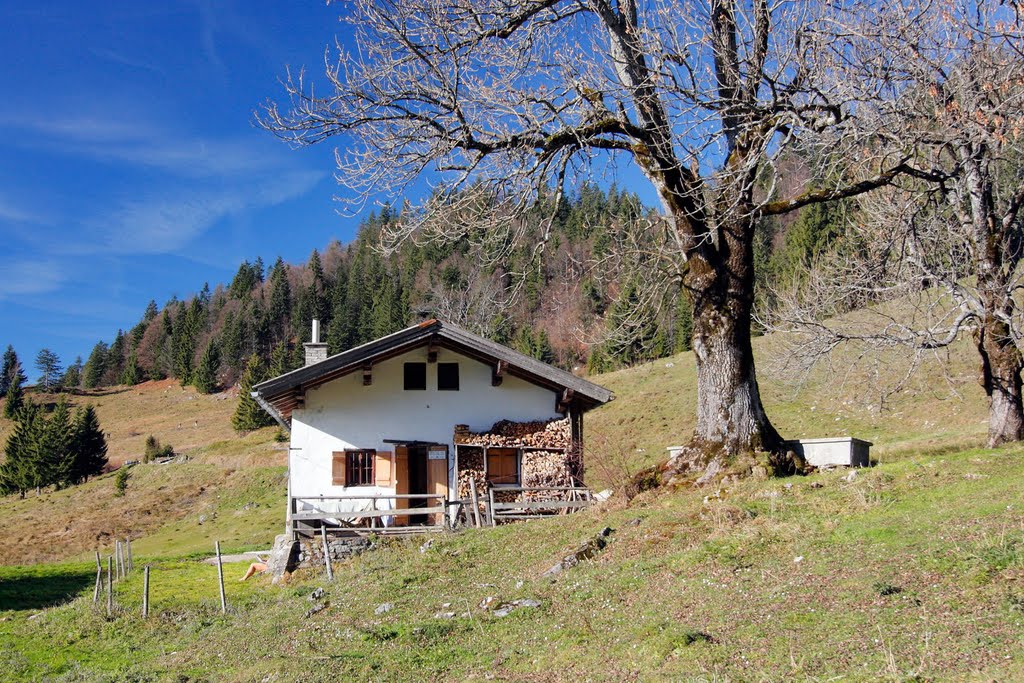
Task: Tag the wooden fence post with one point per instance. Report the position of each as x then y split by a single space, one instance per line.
475 496
220 579
131 560
99 579
490 511
110 585
145 592
99 582
327 553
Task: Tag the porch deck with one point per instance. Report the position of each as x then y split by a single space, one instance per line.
418 513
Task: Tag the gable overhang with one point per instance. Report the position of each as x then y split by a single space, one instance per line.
281 395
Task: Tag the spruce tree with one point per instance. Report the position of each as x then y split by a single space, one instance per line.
18 472
205 376
280 297
249 415
132 373
48 364
9 369
542 350
280 363
115 360
72 376
317 295
89 445
95 366
55 456
15 397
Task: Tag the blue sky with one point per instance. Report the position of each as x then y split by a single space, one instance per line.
129 166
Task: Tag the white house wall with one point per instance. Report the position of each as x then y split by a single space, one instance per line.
344 414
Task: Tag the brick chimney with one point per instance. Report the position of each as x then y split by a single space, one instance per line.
315 351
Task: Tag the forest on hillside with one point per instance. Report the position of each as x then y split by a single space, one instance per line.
578 304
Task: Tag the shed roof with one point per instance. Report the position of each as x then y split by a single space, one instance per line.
280 395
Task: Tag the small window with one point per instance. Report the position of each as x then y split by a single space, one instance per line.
448 376
354 468
503 466
415 376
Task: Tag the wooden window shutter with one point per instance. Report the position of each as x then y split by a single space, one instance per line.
338 462
382 468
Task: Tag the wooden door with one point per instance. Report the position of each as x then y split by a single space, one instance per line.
437 478
401 482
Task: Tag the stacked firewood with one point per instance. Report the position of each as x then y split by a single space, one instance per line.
554 434
545 468
471 464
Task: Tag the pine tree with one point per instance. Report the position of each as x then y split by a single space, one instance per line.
55 453
72 376
132 373
280 363
205 376
542 350
48 364
151 311
319 306
186 333
89 445
18 472
339 329
116 354
9 369
15 397
249 415
280 295
95 366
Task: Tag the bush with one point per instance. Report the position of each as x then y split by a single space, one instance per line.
155 451
121 481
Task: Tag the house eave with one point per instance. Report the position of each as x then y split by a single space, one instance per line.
283 393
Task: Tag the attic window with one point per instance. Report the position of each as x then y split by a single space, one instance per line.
415 376
448 376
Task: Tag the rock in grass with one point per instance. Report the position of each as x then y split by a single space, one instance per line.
316 609
585 551
506 608
317 594
383 608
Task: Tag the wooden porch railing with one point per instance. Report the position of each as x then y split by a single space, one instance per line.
575 498
372 520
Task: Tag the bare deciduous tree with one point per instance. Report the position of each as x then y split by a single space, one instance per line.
506 100
944 247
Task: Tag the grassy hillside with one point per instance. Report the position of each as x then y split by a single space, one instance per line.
231 488
910 571
941 407
177 415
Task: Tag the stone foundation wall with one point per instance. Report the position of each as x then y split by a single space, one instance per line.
311 550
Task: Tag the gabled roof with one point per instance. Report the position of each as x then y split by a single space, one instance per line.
280 395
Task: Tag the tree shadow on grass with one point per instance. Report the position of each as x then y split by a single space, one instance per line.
39 586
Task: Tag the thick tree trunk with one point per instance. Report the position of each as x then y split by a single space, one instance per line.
1001 365
731 420
730 416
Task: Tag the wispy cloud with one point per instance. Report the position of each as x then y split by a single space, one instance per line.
30 276
163 224
83 128
137 143
125 60
12 212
